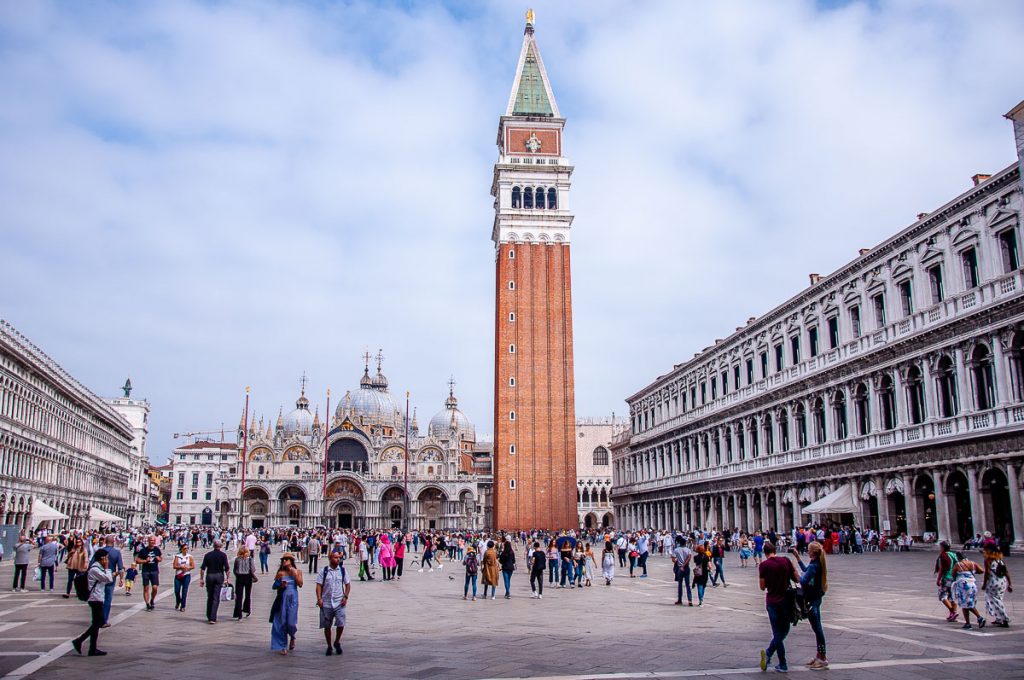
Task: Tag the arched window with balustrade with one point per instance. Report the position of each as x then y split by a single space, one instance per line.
982 375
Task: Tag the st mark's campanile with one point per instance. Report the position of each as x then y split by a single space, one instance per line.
534 409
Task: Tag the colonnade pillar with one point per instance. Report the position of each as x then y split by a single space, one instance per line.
1016 507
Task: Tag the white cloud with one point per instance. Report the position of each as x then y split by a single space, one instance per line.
209 196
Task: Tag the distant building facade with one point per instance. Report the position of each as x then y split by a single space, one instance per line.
140 495
893 387
594 470
300 471
60 444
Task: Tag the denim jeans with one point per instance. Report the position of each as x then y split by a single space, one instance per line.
683 578
778 616
814 618
719 570
700 591
108 599
181 590
552 571
42 577
632 564
507 576
567 572
72 573
470 579
263 563
643 561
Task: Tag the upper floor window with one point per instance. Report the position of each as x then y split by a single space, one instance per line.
703 393
878 302
855 321
600 456
906 298
812 341
969 259
725 383
736 375
779 363
764 364
750 372
714 387
794 349
1008 249
552 199
833 332
517 197
935 283
528 197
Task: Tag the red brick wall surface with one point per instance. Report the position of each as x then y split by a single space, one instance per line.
544 465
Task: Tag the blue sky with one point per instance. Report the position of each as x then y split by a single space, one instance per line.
206 196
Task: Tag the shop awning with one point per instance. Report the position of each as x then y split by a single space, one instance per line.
839 501
41 512
97 515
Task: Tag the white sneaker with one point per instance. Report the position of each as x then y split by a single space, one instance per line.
533 596
431 570
540 597
421 571
492 597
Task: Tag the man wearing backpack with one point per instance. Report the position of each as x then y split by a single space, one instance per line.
472 569
332 588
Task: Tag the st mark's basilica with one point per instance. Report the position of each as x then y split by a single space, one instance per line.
350 472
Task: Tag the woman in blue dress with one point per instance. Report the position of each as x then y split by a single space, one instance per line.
284 614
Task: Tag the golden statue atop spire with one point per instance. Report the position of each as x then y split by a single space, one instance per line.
529 17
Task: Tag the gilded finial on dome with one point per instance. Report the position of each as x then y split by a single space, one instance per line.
529 17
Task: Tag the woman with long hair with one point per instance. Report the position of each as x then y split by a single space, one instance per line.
508 565
77 562
996 584
184 565
553 557
244 570
284 614
814 583
701 570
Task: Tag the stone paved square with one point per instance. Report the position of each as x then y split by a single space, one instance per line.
880 614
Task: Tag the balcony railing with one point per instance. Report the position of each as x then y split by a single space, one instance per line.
984 295
932 430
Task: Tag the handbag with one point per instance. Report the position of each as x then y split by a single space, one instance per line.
227 593
37 574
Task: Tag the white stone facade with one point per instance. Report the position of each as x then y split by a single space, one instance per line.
59 442
136 412
901 374
594 470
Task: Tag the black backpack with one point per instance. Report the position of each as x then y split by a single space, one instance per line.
82 585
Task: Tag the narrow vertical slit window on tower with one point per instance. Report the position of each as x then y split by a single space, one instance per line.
511 382
511 285
512 449
511 349
511 415
512 484
511 316
511 254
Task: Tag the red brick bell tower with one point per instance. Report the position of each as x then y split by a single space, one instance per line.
534 407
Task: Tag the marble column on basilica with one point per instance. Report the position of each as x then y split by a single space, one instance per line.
884 524
797 519
930 389
910 500
1001 370
979 521
900 396
1016 506
778 512
763 496
941 507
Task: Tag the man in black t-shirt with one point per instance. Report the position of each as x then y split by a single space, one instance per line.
149 558
775 574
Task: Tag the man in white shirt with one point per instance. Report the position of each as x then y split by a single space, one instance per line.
332 588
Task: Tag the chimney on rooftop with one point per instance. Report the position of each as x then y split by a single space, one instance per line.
814 278
979 178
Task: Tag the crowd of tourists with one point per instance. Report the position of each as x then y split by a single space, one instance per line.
234 560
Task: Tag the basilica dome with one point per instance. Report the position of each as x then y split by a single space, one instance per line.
300 420
441 423
372 403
